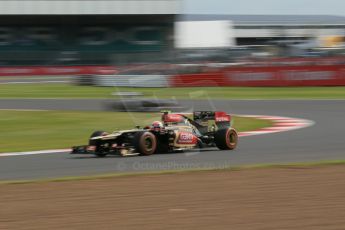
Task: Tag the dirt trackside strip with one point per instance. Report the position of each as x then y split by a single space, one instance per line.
273 198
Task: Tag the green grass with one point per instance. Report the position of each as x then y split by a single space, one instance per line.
37 130
71 91
297 165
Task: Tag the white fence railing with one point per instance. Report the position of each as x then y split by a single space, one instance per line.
156 81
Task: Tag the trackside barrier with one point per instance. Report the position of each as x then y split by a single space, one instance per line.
132 80
326 75
289 75
55 70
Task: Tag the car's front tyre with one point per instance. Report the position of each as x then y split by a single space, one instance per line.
145 143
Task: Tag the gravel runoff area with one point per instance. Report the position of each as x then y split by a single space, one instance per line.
295 197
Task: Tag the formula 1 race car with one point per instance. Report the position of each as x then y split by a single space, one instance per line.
174 132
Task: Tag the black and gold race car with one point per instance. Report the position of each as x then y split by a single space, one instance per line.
174 132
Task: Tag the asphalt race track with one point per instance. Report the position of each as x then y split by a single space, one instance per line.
323 141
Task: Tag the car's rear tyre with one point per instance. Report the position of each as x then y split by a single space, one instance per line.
100 152
226 139
145 143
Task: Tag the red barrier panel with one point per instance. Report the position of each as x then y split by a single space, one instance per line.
331 75
56 70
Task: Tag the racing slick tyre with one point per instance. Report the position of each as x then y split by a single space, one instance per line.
145 143
99 150
226 139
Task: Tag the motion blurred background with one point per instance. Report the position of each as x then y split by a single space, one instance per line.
122 33
162 52
66 65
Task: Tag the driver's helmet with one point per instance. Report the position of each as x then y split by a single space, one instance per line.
157 125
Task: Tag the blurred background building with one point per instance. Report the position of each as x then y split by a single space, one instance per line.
84 31
280 35
263 29
91 32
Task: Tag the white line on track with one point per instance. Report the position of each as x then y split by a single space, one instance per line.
280 124
35 152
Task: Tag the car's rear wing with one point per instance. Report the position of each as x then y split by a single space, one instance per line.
201 118
222 119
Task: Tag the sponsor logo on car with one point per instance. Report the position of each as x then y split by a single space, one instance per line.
186 138
221 119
